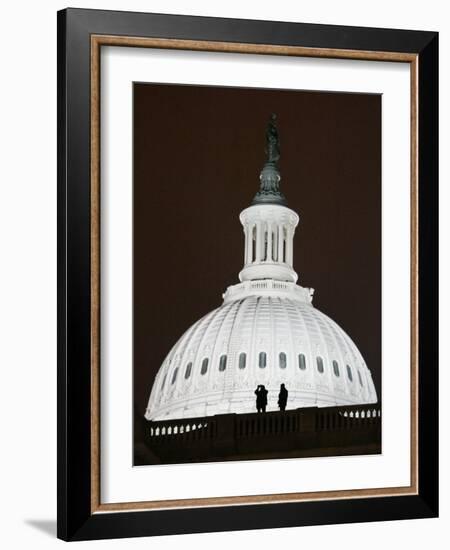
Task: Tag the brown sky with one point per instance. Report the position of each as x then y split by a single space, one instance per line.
198 152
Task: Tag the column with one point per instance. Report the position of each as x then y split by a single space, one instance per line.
258 241
289 239
274 242
249 243
280 244
269 257
245 244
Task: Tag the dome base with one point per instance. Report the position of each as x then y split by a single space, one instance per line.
268 287
268 270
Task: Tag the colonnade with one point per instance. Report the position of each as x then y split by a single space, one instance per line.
267 241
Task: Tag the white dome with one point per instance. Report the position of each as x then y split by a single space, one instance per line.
216 365
266 332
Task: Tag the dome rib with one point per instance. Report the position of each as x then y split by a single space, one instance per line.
310 373
200 356
342 361
231 344
284 304
232 312
356 358
253 352
324 349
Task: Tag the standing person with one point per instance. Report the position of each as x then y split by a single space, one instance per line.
282 397
258 398
261 398
263 394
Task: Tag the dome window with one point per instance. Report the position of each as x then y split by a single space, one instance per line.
319 364
349 373
262 359
188 370
336 368
204 366
222 363
164 381
174 375
360 379
283 360
301 362
242 360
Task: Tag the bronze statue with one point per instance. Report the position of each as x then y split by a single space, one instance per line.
269 190
272 140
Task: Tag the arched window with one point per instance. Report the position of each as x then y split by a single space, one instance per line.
301 362
242 360
319 364
349 373
360 379
336 368
174 375
204 366
188 370
222 363
283 360
262 359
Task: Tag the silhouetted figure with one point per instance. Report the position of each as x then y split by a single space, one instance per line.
282 397
261 398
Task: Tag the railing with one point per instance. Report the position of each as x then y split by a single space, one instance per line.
189 429
345 419
269 424
312 419
309 431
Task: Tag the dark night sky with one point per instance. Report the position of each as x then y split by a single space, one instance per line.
198 152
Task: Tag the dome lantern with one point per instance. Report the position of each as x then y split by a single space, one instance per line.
269 226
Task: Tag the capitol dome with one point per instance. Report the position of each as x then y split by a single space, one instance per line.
267 331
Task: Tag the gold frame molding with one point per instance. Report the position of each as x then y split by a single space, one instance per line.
97 41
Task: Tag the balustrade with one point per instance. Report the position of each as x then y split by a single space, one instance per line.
268 424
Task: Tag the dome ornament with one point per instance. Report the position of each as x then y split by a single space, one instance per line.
269 191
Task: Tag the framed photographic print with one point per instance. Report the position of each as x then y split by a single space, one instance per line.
247 274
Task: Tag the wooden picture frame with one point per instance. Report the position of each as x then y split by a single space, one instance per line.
81 35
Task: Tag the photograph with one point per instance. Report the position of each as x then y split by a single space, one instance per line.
257 248
247 274
222 251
